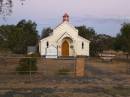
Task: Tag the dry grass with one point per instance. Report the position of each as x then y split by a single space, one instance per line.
108 82
116 66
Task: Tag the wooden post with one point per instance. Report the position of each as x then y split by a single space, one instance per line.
80 67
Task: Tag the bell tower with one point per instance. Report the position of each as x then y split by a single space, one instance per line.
66 17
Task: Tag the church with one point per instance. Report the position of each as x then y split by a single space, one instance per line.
64 41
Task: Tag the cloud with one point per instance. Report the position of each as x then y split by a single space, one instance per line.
105 16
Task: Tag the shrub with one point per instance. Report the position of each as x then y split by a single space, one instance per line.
63 71
34 55
27 65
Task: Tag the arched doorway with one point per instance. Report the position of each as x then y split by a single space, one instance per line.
65 48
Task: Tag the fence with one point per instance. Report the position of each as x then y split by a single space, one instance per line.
60 68
46 68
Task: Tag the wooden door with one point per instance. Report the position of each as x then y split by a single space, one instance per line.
65 48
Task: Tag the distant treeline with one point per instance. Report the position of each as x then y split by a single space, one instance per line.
16 38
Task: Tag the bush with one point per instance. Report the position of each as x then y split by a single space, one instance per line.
27 65
63 71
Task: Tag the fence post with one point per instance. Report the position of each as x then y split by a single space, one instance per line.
80 67
30 75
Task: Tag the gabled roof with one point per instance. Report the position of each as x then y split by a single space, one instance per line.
63 35
66 32
83 38
67 24
45 38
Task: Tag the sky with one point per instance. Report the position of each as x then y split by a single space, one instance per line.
105 16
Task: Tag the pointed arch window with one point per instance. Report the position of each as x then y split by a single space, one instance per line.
47 44
82 45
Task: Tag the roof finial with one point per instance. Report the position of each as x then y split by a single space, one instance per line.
66 17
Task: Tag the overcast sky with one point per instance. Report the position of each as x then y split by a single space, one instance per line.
105 16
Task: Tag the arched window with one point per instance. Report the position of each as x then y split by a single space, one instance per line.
82 45
47 44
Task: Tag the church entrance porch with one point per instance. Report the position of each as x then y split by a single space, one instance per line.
65 48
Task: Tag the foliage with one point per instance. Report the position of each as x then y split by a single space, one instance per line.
46 32
4 34
97 41
87 33
18 37
122 41
27 65
6 7
100 43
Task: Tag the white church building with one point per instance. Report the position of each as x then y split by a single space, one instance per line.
64 41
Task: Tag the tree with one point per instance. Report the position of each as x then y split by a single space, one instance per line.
105 41
123 38
6 7
18 37
26 36
87 33
5 31
98 42
46 32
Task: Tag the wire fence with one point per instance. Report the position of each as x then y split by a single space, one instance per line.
62 67
45 68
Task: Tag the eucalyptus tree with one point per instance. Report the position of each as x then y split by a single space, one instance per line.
6 7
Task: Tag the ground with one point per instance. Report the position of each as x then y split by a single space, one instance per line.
103 79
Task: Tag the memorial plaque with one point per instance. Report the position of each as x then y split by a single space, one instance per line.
51 52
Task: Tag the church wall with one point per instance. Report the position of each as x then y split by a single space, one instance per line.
43 44
79 50
43 47
76 50
62 29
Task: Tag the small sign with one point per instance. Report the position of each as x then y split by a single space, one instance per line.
51 52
